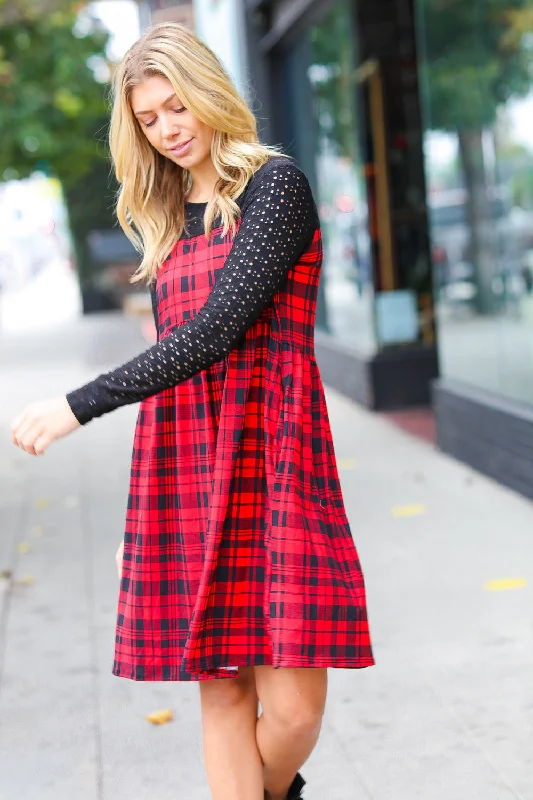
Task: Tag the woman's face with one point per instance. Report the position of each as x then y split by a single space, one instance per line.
170 127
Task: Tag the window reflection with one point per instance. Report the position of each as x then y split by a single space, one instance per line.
478 102
342 200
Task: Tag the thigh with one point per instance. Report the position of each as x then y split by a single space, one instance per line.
289 692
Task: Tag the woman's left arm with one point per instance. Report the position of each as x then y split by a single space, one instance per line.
278 221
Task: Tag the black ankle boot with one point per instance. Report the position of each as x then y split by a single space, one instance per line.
295 789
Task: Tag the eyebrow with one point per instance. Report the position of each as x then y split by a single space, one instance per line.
170 97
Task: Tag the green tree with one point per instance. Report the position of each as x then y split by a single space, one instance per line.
53 111
50 101
333 53
476 56
16 10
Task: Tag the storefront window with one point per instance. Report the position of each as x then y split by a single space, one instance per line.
340 179
475 62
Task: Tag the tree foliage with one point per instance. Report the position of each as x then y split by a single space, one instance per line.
54 113
475 57
52 109
333 65
17 10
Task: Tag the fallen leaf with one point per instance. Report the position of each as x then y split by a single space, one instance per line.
6 573
42 502
160 717
24 547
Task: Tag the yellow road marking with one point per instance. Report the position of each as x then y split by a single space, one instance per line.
347 463
505 584
409 511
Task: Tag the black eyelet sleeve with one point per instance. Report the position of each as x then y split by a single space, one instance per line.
278 221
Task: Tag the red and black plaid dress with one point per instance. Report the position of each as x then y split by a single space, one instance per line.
237 548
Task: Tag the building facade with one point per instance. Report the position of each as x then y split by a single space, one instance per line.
344 101
411 119
153 11
220 23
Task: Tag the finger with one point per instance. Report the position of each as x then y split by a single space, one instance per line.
28 448
30 436
23 432
42 442
24 437
13 437
18 419
17 426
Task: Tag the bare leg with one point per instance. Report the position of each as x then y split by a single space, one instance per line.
293 702
229 718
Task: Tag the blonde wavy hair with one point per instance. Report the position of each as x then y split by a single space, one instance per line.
150 202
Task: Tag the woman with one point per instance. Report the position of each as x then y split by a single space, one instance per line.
237 560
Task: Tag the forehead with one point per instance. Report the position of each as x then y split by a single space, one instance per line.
150 94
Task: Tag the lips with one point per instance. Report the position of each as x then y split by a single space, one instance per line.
181 147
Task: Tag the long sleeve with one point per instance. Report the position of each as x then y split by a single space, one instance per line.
278 219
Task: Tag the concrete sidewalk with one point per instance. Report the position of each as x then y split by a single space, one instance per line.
447 712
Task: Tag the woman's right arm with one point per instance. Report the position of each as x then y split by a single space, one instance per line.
277 223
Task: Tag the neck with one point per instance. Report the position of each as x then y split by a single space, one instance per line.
204 178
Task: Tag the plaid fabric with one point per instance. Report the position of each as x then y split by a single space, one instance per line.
237 549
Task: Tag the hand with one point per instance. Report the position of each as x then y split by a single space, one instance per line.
42 423
118 558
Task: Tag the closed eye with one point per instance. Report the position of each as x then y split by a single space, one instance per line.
175 110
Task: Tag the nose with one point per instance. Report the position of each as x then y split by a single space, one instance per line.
169 127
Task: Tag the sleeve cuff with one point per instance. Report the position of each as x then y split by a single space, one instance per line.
80 406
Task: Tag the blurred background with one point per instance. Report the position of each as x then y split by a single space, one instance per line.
412 119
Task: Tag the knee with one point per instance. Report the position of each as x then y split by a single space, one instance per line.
299 716
221 696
